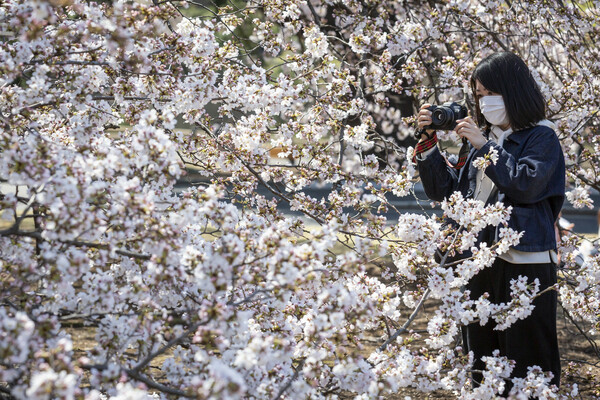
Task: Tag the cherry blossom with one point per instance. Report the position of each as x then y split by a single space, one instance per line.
214 195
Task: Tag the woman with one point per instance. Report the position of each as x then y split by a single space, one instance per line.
529 175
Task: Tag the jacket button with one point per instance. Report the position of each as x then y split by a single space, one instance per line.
470 193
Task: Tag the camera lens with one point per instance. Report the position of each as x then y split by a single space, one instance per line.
441 115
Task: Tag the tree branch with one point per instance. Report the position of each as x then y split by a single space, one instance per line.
287 385
158 386
407 323
168 345
103 246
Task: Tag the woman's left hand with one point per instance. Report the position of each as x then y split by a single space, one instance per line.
466 128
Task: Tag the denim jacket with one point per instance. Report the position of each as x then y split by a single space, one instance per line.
529 175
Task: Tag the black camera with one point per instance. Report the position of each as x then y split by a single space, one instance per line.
444 117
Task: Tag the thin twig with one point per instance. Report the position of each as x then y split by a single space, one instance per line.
158 386
290 381
593 344
404 327
168 345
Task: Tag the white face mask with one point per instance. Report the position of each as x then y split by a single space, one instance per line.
492 108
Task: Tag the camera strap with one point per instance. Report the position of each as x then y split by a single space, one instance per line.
430 143
463 153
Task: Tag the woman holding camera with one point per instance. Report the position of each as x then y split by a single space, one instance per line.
529 175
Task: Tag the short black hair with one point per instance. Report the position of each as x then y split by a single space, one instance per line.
506 73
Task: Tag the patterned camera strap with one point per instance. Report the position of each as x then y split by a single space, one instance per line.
429 143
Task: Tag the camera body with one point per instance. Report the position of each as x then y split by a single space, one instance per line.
444 117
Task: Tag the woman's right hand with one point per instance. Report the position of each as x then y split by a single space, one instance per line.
424 119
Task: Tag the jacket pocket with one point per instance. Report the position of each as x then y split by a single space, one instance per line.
537 227
522 220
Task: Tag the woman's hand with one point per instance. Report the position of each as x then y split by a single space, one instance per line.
424 119
466 128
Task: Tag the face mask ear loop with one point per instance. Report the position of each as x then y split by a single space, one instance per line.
469 102
466 101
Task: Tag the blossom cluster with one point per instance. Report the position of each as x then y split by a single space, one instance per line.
213 196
